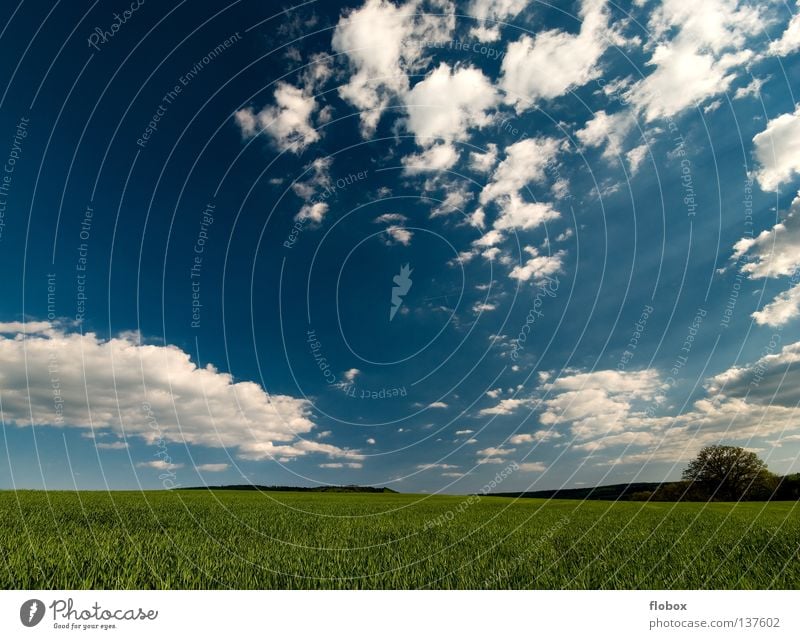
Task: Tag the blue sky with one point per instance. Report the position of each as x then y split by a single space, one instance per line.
406 244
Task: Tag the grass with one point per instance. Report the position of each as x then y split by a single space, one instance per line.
225 539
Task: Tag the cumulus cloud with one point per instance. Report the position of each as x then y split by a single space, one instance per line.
212 468
159 464
780 311
777 150
775 252
448 103
287 122
525 161
483 162
532 438
554 62
700 60
608 131
342 465
789 42
489 12
436 158
599 402
399 235
148 391
506 406
538 267
379 39
313 213
612 410
532 467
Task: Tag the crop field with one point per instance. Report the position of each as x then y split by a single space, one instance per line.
230 539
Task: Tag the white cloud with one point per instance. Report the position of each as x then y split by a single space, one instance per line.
212 468
506 407
608 131
314 213
789 42
777 150
483 307
399 235
436 466
780 311
342 465
538 436
112 445
351 373
607 409
483 162
635 158
754 89
519 214
599 403
532 467
159 464
700 60
775 252
149 391
288 121
525 161
379 40
371 441
437 405
391 218
449 102
537 267
25 327
464 432
493 451
555 62
437 158
489 12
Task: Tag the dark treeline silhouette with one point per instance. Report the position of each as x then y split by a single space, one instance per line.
718 473
296 489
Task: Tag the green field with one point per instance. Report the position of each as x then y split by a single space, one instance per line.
229 539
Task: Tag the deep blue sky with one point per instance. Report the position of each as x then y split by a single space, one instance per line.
588 175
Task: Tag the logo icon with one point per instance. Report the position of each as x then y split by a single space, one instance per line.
31 612
402 285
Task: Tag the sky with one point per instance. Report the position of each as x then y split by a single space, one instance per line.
436 246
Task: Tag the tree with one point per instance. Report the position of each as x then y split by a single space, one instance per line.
730 473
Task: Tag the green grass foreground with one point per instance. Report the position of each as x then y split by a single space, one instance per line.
228 539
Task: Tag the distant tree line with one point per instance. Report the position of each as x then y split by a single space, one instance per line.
725 473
